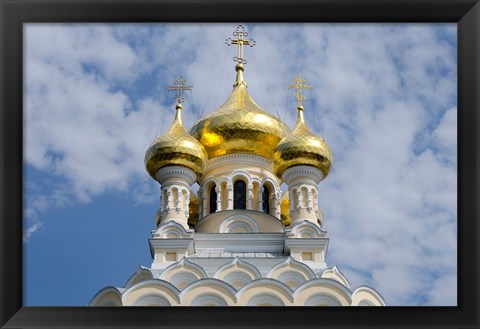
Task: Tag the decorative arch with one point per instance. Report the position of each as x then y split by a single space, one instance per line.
305 229
108 296
153 286
294 199
266 199
183 272
151 300
208 287
171 230
263 299
322 300
212 198
293 279
174 196
304 196
263 287
323 287
182 279
292 270
207 186
209 299
237 273
366 296
239 224
142 274
240 174
239 194
335 274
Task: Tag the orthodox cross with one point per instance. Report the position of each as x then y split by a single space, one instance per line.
180 86
299 84
240 32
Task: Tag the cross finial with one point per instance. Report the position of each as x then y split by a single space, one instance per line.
240 33
180 86
299 84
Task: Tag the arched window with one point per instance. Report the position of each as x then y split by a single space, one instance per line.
239 195
213 199
266 200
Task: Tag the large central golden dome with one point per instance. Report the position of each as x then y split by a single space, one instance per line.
239 126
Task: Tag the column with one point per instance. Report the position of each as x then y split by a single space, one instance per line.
169 199
187 202
250 197
299 199
179 199
277 208
161 200
260 198
218 189
230 197
204 204
273 204
309 200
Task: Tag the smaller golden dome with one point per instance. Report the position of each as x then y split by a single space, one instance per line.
193 209
302 147
285 210
176 148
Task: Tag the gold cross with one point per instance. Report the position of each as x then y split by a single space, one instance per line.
299 84
180 86
240 32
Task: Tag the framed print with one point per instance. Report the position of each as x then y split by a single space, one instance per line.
238 209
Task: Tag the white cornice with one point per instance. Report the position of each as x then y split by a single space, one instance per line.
176 172
240 157
298 172
307 243
240 242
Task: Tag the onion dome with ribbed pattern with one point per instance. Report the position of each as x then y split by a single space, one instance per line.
239 126
176 148
302 147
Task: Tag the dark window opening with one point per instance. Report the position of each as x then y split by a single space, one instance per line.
266 200
239 195
213 200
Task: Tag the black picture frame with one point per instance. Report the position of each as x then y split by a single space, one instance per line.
466 13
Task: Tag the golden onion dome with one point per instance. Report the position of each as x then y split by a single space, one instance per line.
239 126
302 147
176 148
193 209
285 210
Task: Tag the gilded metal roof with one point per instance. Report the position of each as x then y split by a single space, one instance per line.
176 147
302 147
239 126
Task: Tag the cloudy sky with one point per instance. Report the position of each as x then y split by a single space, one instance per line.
384 97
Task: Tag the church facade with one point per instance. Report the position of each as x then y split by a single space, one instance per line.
239 241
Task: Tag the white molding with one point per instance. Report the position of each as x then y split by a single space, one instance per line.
241 242
235 158
170 172
337 276
307 243
187 266
296 265
234 221
239 263
301 172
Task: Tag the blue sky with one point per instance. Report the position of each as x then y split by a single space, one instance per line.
384 97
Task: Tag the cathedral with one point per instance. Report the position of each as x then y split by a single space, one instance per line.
238 241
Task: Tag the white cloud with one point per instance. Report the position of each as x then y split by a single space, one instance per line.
29 231
384 97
